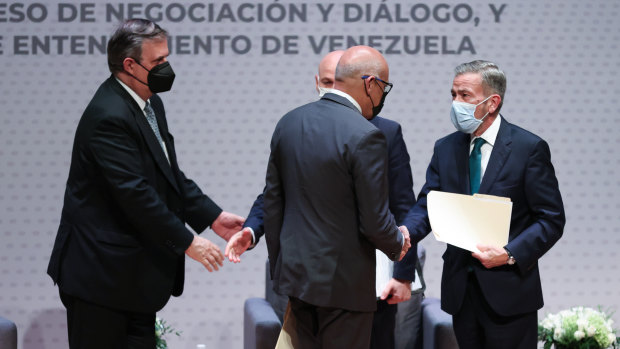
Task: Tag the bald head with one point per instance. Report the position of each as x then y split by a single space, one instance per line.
356 62
327 70
361 60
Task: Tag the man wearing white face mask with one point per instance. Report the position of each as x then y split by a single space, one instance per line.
493 295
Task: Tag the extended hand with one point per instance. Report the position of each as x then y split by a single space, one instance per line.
403 229
399 289
205 252
227 224
491 256
238 244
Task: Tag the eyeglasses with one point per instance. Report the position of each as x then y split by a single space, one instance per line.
388 85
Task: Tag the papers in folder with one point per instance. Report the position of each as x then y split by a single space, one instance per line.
465 221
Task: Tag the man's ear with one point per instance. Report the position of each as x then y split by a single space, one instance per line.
495 101
316 80
368 84
129 64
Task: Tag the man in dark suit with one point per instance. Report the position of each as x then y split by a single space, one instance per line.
326 208
119 251
494 294
393 279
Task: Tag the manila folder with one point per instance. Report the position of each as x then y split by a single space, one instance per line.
465 220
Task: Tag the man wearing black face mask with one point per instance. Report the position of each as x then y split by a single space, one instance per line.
326 209
120 248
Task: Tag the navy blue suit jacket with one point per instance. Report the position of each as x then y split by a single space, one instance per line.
519 168
401 196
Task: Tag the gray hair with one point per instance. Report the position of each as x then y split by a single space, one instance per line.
127 41
493 78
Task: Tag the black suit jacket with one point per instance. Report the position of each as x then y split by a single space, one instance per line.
326 205
122 233
519 168
401 196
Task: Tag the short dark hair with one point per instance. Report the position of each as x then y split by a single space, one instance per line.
127 41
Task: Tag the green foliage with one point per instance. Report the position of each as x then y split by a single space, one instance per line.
161 329
578 328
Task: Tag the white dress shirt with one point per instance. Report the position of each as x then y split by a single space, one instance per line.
490 135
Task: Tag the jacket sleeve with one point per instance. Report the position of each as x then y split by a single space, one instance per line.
273 204
416 219
370 180
402 199
199 210
545 204
255 218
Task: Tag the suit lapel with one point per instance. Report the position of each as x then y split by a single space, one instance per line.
155 148
499 154
149 137
461 159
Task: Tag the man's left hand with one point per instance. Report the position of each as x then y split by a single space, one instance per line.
227 224
399 289
491 256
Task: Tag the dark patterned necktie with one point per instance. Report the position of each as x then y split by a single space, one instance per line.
150 117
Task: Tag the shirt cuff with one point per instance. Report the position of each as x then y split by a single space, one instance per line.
253 237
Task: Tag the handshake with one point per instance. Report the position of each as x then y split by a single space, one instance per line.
406 243
226 225
230 227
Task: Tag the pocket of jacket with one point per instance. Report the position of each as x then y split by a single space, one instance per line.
117 239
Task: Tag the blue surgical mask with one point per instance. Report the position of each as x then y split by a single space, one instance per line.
462 115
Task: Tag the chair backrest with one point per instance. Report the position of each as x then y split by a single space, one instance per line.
279 302
8 334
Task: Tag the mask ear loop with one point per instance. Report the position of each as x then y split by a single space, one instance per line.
485 115
133 76
368 94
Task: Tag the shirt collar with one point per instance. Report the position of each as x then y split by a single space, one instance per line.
490 135
346 95
133 94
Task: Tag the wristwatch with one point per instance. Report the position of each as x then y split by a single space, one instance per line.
511 259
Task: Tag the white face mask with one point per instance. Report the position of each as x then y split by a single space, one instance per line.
323 90
462 116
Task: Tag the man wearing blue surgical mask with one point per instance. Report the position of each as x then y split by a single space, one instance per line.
493 295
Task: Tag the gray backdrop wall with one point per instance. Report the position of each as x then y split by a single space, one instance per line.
561 59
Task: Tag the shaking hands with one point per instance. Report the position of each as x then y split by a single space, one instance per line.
206 252
407 244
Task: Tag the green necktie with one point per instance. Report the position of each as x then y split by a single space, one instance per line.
474 166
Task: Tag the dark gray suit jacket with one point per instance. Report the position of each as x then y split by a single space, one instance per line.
326 205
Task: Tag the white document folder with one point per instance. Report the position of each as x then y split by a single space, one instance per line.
465 220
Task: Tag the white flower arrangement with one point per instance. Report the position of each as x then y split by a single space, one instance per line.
161 329
578 328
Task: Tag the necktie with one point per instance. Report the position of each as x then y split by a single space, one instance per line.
150 117
474 165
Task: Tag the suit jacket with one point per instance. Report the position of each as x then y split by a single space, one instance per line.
122 234
326 205
519 168
401 196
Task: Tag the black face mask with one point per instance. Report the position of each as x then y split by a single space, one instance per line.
160 77
376 109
